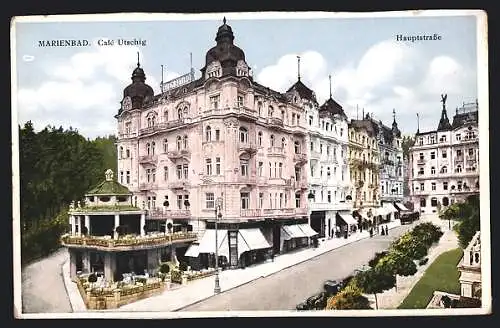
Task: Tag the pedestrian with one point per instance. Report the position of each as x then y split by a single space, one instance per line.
386 230
371 232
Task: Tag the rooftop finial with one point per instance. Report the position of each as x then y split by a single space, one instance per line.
224 20
394 114
298 67
443 99
418 123
109 175
330 77
138 62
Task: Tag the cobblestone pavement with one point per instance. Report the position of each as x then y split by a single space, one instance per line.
285 289
43 289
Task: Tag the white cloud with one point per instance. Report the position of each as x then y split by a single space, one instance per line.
390 75
89 82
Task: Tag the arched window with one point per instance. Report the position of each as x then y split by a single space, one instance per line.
185 139
148 148
208 134
272 140
259 107
446 201
433 170
179 142
259 138
243 135
153 148
185 112
121 152
422 202
165 145
179 114
297 147
127 152
270 111
434 201
283 142
165 116
444 169
458 169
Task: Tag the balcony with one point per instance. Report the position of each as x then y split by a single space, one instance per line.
159 214
301 185
176 155
248 148
458 160
300 159
148 159
179 184
268 212
274 122
298 130
127 243
275 151
316 155
420 161
161 127
147 186
248 180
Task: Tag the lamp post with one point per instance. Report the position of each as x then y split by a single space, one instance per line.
218 215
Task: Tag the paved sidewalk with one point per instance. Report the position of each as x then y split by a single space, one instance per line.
75 298
199 290
392 298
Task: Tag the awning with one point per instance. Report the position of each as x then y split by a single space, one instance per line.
207 242
349 219
193 250
390 208
250 239
380 211
308 231
292 231
401 207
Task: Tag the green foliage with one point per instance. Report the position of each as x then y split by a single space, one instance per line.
441 275
467 229
423 261
410 245
374 281
164 268
183 266
407 142
427 232
92 278
398 263
467 215
350 298
379 255
56 167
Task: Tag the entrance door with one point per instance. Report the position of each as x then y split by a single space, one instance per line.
329 228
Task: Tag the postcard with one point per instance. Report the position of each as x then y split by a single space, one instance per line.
251 164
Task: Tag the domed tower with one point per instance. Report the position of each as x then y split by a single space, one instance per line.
225 58
138 93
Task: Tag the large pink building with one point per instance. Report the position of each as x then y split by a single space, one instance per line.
218 146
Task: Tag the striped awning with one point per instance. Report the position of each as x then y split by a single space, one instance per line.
390 208
193 250
401 207
348 218
308 231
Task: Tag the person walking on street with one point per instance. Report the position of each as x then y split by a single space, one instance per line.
386 230
371 232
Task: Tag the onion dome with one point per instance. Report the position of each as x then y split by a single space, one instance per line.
138 91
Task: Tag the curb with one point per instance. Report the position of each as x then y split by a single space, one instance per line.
66 286
264 276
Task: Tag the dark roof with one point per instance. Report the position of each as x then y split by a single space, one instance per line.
332 107
303 91
139 92
107 187
464 118
266 90
444 122
366 124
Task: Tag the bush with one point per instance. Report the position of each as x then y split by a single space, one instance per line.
141 280
423 261
427 232
373 262
351 298
183 266
164 268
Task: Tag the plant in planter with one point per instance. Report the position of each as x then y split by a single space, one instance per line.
169 227
183 266
92 279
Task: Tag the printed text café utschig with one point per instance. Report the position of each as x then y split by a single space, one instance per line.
102 42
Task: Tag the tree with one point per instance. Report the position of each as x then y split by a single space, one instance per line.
411 246
374 281
350 298
399 264
406 144
467 229
427 232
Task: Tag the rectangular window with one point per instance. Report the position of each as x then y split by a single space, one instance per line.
148 175
310 120
286 200
179 171
121 177
275 170
433 155
128 127
217 135
153 175
165 173
217 166
185 168
443 154
270 169
128 176
445 185
459 152
179 202
329 196
261 199
240 101
208 166
280 170
458 137
261 169
422 186
312 146
471 151
297 200
433 186
245 200
270 200
209 200
281 200
214 101
244 168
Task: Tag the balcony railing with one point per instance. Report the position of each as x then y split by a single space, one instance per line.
178 154
269 212
179 184
148 159
275 122
278 151
251 180
459 159
247 147
162 126
300 158
160 214
147 186
315 154
107 242
421 161
301 184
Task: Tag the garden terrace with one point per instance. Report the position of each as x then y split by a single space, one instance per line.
102 210
127 242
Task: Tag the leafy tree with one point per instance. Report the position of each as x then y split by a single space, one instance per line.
378 256
427 232
375 280
468 228
350 298
411 246
406 144
399 264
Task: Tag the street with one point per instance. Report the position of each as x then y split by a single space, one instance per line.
285 289
43 289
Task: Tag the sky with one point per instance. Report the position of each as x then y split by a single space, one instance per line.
82 87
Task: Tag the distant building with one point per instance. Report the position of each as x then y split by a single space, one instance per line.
445 162
470 269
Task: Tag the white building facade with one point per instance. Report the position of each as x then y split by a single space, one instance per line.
444 163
